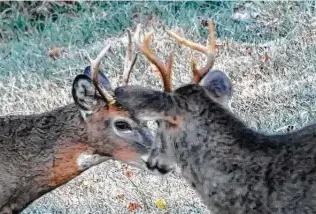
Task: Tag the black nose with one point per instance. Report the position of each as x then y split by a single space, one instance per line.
161 169
149 166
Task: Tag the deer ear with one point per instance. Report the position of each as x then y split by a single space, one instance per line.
104 81
84 94
219 86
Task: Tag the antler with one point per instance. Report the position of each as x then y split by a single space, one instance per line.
128 66
164 69
129 61
198 74
95 68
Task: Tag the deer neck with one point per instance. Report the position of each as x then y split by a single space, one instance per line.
44 151
209 131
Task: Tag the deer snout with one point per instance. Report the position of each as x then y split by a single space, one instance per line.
134 142
157 163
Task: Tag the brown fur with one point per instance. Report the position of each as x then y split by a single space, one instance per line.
65 166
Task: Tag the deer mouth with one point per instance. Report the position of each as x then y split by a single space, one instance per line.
156 169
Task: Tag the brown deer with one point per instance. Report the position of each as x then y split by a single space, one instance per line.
40 152
233 168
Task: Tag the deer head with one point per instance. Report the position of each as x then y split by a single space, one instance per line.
165 107
105 117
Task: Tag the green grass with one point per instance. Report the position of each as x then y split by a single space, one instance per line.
27 34
268 96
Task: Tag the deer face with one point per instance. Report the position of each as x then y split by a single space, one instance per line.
177 114
110 129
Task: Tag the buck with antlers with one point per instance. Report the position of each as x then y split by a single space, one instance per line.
41 152
233 168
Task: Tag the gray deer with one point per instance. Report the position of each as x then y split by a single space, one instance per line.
233 168
40 152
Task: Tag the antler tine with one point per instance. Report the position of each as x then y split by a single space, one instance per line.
129 62
210 51
164 69
95 68
188 43
137 32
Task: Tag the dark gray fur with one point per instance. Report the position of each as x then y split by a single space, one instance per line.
233 168
219 86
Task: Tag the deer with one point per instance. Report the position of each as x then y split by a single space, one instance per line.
41 152
232 167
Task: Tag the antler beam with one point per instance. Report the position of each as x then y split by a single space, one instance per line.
129 61
128 66
164 69
95 68
210 51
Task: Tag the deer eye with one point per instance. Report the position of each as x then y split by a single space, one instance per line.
122 125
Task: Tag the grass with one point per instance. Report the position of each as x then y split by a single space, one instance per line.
271 96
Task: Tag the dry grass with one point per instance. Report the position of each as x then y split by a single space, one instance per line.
268 95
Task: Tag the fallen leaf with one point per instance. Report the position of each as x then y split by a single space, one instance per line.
128 172
134 206
266 58
55 52
85 184
120 196
79 183
161 204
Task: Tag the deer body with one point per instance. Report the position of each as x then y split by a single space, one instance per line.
232 167
39 153
237 170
